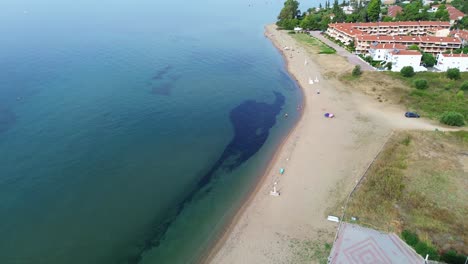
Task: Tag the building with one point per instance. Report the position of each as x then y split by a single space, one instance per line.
402 58
394 10
348 10
454 13
462 35
446 61
407 33
428 44
378 52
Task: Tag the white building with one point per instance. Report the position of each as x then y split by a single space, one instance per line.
402 58
348 10
446 61
379 51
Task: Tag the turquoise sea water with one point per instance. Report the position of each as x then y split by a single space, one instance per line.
130 132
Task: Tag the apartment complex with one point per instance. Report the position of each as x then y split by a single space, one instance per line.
366 35
446 61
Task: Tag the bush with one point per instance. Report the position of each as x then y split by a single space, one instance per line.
460 95
407 71
464 86
428 59
453 257
357 71
453 73
452 119
424 249
389 66
420 84
410 238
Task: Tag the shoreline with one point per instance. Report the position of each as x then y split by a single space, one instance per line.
323 159
209 255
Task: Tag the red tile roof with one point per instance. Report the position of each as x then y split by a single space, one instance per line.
405 52
461 55
388 46
393 10
408 39
454 13
461 34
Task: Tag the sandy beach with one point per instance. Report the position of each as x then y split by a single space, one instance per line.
322 158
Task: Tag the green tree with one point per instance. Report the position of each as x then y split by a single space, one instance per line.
411 12
407 71
339 13
373 10
387 19
414 47
453 73
464 86
452 119
428 59
357 71
310 22
442 14
420 84
287 15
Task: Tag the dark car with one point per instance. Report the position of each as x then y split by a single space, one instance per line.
412 114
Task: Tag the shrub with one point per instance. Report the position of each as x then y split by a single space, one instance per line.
420 84
410 237
452 119
424 249
407 71
460 95
389 66
453 257
428 59
464 86
357 71
453 73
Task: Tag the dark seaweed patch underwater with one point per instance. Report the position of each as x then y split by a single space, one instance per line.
252 122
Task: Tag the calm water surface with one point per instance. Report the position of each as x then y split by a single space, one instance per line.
130 131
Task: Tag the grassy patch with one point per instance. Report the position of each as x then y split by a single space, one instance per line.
418 183
306 251
315 43
439 97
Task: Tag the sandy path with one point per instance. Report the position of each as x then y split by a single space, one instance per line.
322 159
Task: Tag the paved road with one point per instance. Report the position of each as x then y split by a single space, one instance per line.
353 59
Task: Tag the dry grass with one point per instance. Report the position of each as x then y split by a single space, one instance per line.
418 183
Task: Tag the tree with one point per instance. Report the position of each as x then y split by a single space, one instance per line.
357 71
452 119
414 47
453 73
287 15
373 10
428 59
310 22
442 14
420 84
407 71
464 86
339 13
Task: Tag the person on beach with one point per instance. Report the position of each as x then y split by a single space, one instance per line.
318 91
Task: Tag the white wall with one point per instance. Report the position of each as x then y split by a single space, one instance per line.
443 63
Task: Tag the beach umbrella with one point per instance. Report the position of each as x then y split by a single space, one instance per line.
281 171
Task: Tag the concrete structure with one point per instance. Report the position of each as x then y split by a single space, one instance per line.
359 245
446 61
379 52
402 58
427 44
405 33
348 10
394 10
462 35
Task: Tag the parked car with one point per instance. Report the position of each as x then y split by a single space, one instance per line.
412 115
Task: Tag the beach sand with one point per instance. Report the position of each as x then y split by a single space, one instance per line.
322 158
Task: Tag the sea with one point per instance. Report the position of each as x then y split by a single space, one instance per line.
132 131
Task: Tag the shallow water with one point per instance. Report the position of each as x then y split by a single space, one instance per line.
131 132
